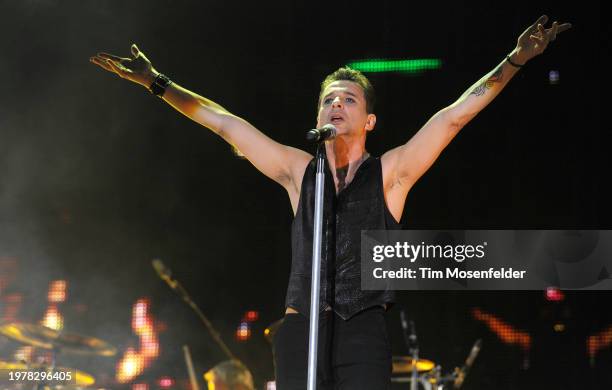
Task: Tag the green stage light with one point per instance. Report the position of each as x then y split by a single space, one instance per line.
400 66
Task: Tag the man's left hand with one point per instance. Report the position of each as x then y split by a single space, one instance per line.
534 40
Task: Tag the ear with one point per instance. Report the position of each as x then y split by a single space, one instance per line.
371 122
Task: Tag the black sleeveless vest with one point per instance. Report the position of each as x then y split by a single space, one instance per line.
359 206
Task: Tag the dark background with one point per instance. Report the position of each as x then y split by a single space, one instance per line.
97 177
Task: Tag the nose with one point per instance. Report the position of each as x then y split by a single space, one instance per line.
336 102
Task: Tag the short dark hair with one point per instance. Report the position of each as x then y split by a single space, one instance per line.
348 74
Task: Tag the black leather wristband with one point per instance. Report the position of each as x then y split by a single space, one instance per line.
159 85
512 63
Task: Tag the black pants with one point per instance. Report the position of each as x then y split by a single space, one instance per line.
353 354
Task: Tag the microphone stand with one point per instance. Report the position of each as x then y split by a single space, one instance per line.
178 287
413 348
469 362
313 334
414 355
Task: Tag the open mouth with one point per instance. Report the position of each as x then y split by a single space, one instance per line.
335 119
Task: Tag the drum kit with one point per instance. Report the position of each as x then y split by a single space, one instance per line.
424 374
408 371
428 376
56 342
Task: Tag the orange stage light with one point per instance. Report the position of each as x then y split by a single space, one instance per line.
243 333
57 291
599 341
130 366
53 319
506 332
134 362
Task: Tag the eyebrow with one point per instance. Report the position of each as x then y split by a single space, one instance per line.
347 92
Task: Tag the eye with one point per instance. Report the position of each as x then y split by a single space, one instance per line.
350 100
327 101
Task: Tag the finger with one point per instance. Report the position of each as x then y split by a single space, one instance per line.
537 39
108 56
115 68
553 31
101 63
135 51
563 27
541 20
541 30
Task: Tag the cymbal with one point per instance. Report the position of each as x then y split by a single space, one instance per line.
271 329
47 338
80 379
404 364
408 379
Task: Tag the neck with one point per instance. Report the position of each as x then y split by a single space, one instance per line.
344 154
344 158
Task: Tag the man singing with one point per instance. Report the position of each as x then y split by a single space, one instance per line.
362 192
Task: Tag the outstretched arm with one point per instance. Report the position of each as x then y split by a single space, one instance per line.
281 163
405 164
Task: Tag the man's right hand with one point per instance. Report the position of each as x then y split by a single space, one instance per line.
137 69
281 163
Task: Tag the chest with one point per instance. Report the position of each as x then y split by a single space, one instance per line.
342 178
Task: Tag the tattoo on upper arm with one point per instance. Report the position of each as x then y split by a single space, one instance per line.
496 77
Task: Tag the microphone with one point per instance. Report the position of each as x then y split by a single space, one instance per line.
463 371
164 273
322 134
